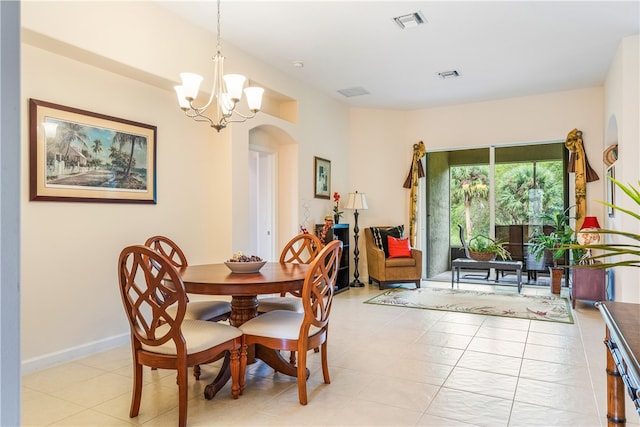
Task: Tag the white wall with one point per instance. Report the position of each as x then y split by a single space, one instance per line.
622 113
101 57
382 154
69 283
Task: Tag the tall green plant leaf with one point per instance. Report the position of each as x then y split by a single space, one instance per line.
627 249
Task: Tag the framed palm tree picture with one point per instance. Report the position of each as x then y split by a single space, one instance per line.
81 156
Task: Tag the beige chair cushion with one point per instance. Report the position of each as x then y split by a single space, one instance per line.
277 324
203 310
268 304
198 334
399 262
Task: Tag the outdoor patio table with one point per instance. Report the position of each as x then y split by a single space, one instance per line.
462 263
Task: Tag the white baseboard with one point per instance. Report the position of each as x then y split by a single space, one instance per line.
42 362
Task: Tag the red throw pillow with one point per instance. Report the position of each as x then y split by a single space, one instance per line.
399 248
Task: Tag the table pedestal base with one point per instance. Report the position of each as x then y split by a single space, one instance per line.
244 308
221 379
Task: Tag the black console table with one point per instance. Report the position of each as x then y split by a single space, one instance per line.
462 263
623 369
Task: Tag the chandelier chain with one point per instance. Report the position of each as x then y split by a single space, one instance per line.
218 47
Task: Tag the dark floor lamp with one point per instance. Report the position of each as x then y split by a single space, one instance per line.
356 201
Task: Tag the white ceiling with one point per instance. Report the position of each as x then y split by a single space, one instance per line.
501 49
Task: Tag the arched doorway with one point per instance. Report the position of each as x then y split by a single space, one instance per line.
272 206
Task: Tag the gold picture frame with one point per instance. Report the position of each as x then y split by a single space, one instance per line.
321 178
81 156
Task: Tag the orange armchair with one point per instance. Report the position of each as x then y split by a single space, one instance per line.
391 270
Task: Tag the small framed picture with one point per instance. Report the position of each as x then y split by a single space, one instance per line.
82 156
321 178
611 191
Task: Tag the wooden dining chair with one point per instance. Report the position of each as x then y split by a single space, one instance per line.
203 309
300 332
149 285
302 249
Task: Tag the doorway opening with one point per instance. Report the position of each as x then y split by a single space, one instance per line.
262 203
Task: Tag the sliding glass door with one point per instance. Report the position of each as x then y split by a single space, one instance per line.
531 185
470 189
501 192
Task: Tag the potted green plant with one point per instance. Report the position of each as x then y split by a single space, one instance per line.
556 244
484 248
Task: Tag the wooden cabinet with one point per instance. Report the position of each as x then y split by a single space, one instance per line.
588 284
340 232
623 371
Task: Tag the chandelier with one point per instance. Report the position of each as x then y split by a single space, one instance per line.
225 94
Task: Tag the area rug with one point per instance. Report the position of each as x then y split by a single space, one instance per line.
534 307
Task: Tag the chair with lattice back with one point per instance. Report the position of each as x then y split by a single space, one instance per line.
299 332
202 309
302 249
155 303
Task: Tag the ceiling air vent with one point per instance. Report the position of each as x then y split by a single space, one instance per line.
449 74
353 91
410 20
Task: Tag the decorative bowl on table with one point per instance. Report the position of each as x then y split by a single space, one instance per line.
241 263
245 267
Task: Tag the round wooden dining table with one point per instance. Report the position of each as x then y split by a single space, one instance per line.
244 288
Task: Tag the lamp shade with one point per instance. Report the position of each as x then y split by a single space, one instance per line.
588 234
190 85
254 97
357 201
590 222
234 84
182 99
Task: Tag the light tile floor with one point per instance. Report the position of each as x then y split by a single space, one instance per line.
390 366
